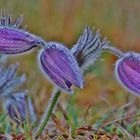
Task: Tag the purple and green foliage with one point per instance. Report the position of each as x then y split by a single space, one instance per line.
62 66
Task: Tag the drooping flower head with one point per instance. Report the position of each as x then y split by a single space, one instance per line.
58 63
16 108
88 48
127 71
13 39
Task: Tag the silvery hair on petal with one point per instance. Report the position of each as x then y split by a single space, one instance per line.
88 48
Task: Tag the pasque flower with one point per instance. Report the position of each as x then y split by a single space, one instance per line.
8 80
127 68
127 71
66 67
15 106
13 39
14 99
58 63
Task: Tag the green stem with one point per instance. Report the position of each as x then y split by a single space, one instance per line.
28 119
48 112
113 50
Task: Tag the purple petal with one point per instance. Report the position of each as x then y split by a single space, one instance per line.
13 41
60 66
128 72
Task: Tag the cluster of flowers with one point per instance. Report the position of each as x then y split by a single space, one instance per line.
64 67
14 100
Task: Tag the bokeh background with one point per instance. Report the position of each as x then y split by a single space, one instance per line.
64 21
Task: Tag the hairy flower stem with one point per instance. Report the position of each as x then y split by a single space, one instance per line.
114 50
48 112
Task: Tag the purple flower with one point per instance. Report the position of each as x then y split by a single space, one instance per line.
13 39
9 80
15 106
60 66
127 70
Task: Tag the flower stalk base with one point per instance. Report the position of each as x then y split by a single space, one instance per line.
48 112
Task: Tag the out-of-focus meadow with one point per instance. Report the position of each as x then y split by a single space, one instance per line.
64 21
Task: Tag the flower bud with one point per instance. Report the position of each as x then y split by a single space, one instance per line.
15 106
60 66
127 71
14 40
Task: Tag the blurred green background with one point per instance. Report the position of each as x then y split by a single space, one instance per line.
64 21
